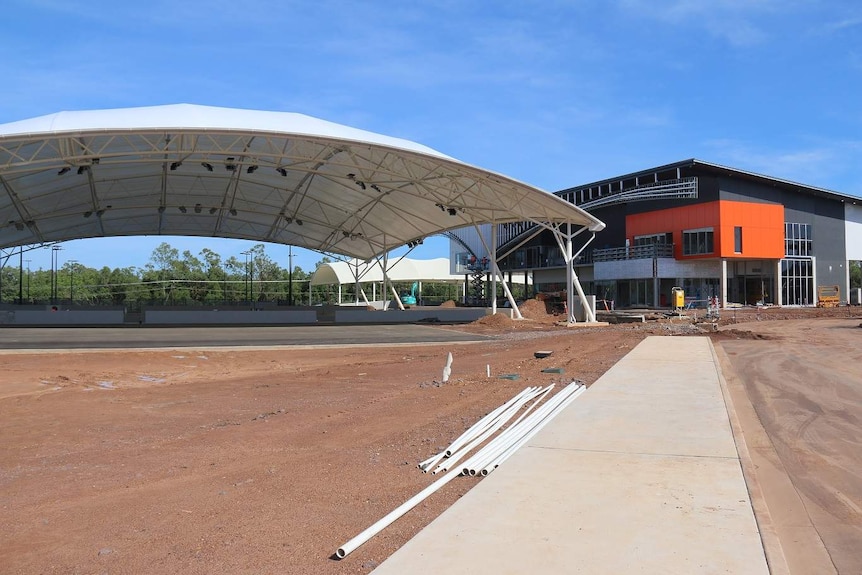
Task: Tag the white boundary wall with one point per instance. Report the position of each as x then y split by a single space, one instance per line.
210 317
62 317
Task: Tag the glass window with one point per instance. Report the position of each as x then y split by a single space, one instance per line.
697 242
737 239
797 239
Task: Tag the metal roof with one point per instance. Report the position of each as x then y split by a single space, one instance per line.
266 176
701 166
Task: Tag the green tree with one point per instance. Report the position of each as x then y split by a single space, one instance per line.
168 278
856 274
215 276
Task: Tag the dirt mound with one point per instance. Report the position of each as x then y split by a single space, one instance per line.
749 314
500 320
535 309
449 304
739 334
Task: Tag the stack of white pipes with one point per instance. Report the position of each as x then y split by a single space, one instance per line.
477 429
505 444
486 459
477 435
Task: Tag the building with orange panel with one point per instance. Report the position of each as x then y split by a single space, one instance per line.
719 233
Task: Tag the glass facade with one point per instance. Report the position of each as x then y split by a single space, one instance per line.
797 281
797 269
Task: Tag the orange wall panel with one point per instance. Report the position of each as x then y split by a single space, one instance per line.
762 227
762 230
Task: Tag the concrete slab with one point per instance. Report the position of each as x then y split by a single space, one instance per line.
638 475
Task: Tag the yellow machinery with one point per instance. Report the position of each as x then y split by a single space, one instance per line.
828 296
677 298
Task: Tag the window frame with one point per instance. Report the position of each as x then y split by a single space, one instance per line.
698 242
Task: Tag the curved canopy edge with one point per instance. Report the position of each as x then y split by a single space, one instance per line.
266 176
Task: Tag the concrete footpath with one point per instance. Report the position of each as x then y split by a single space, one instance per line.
639 475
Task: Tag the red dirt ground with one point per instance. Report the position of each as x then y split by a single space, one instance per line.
249 461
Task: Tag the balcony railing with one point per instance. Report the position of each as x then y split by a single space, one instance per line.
633 253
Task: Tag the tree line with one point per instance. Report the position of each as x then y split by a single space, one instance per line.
172 278
169 278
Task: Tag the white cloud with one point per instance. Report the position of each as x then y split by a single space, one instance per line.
740 23
821 164
843 24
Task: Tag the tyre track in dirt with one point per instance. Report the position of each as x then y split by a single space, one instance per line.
804 381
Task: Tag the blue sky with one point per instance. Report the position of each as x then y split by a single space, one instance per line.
553 93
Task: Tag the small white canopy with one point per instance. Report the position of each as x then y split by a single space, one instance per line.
406 270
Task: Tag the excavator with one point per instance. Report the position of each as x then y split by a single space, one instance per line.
409 298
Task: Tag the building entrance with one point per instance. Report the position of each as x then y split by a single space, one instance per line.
797 281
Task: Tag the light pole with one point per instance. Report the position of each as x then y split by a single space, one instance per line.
290 275
71 281
20 275
251 277
28 279
54 258
246 254
224 284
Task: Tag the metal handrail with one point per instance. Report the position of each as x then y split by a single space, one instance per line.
633 253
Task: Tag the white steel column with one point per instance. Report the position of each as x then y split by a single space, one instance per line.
495 271
387 283
572 280
723 286
493 254
814 281
356 287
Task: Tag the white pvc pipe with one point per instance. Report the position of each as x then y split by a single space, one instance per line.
501 441
480 425
492 428
539 397
513 434
489 430
546 417
374 529
388 519
513 448
509 436
474 430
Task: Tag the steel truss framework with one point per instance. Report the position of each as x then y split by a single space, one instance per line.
286 178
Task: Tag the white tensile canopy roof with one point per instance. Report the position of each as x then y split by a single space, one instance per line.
266 176
406 270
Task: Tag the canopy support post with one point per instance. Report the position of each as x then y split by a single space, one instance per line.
565 243
356 287
495 271
493 256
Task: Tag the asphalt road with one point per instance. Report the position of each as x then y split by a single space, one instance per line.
17 338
